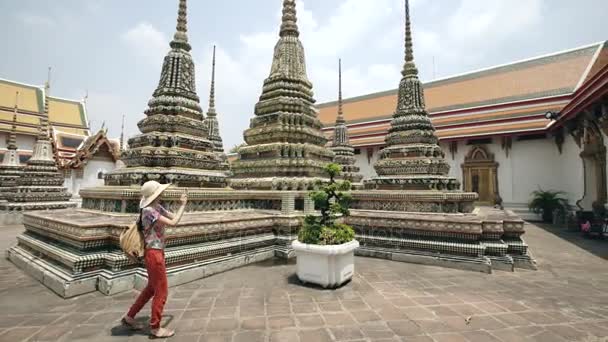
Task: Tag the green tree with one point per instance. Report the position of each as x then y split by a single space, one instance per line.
333 200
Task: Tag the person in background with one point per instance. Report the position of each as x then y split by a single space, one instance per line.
152 222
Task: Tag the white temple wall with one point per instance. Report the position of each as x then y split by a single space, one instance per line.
530 164
366 164
571 170
89 176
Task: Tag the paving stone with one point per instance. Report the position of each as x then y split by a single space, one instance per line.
547 336
442 311
222 324
512 319
284 336
196 313
224 311
330 306
85 332
365 316
337 319
317 335
405 328
479 336
12 321
377 330
418 312
304 308
18 334
346 333
433 326
354 305
310 321
426 300
254 323
225 337
185 337
250 336
191 325
449 337
510 335
465 310
567 332
51 333
280 322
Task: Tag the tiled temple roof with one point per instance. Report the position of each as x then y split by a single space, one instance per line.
505 99
66 115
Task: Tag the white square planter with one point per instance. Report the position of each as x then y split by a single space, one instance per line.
328 266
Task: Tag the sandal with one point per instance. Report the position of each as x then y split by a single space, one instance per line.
131 323
161 333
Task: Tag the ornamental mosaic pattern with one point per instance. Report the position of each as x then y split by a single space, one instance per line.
284 139
175 145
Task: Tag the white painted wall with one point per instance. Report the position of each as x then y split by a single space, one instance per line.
367 168
530 164
89 177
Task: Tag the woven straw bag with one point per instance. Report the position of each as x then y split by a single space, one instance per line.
132 243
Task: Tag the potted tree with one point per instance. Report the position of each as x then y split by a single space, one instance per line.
546 202
325 246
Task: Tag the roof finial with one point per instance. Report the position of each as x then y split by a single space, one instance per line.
289 25
340 112
212 88
409 68
180 38
12 137
44 122
122 134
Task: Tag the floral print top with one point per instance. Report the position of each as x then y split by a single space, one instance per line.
154 230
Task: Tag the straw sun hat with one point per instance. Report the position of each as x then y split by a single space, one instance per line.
150 191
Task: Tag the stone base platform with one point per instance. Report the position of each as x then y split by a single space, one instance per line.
76 251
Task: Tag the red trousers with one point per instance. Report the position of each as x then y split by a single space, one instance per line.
157 287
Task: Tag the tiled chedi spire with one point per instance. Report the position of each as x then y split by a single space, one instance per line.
40 186
10 168
174 145
412 158
285 146
345 153
213 127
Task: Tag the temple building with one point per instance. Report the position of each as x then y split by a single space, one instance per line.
96 156
68 120
506 130
82 158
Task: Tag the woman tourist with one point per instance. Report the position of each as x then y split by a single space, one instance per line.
153 220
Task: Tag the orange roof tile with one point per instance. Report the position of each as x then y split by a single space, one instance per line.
542 77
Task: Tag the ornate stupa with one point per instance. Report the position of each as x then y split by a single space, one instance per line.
11 168
344 151
174 146
213 126
285 146
412 158
40 185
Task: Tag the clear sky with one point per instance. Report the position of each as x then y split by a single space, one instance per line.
114 48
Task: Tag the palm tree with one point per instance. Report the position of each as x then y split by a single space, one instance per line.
546 202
